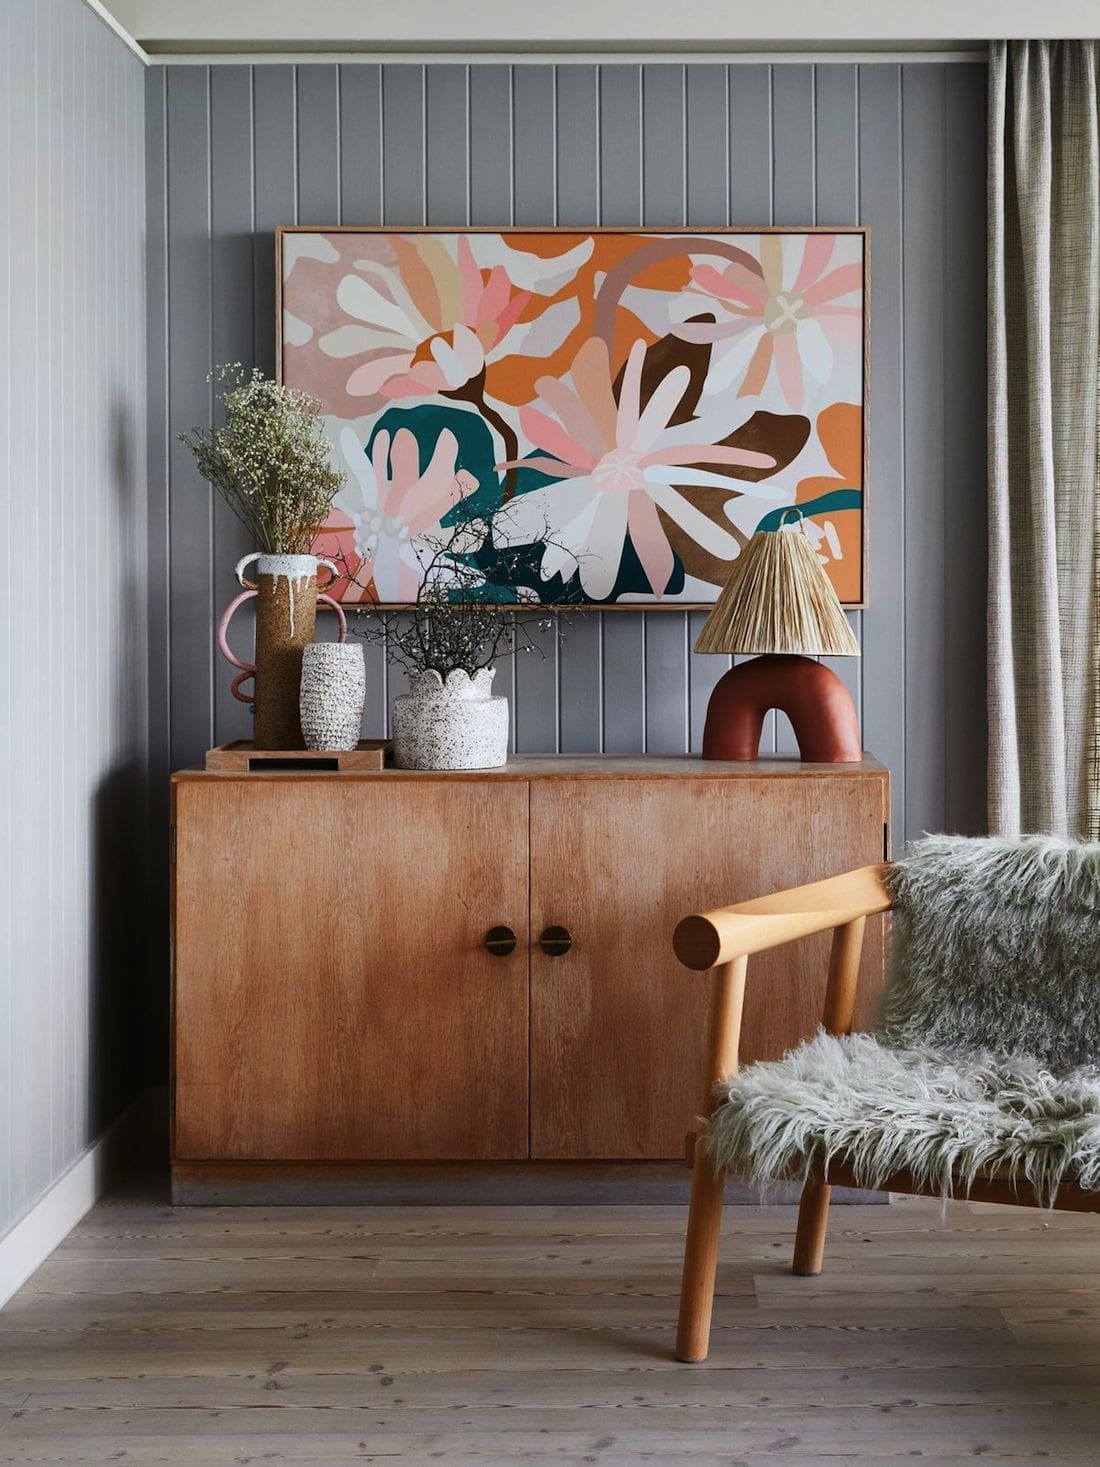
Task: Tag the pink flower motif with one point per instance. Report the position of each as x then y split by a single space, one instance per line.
790 316
428 325
617 464
395 510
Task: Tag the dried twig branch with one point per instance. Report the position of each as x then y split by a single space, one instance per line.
451 626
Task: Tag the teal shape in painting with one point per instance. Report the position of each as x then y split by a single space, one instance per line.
830 503
476 454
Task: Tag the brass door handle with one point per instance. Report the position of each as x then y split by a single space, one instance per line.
555 941
500 941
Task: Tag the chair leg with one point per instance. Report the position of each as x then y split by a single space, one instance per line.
708 1189
813 1219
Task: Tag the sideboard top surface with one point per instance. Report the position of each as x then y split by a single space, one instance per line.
576 766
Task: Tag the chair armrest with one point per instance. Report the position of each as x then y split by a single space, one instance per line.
707 939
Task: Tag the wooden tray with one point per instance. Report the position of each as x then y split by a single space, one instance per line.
370 754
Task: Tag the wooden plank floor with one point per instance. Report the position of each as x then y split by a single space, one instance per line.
417 1335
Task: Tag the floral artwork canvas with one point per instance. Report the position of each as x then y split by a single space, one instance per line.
617 410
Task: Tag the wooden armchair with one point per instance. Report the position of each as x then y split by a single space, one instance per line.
724 940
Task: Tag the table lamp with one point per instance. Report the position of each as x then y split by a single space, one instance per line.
779 606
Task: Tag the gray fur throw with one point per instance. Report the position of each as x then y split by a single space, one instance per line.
987 1044
995 944
890 1110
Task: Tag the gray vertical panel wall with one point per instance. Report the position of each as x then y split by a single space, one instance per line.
73 738
898 148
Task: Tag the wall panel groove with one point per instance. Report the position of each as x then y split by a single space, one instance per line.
627 143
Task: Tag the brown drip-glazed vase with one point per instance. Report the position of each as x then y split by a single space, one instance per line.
286 618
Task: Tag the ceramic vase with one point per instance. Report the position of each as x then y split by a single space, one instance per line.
450 723
333 690
286 617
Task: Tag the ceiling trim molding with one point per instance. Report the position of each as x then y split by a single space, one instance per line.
164 41
98 8
166 52
868 55
517 27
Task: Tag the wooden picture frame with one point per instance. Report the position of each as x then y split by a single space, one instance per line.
763 351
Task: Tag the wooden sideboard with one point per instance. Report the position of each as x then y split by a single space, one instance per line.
338 1017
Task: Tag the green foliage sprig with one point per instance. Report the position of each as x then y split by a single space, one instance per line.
270 463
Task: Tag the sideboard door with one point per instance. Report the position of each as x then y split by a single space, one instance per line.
618 1026
334 997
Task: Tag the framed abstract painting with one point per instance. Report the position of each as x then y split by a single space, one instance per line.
588 417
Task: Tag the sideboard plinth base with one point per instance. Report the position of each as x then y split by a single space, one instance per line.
456 1184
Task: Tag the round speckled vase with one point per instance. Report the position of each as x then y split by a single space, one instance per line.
286 616
334 688
450 723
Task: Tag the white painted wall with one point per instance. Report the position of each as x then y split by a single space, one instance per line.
73 731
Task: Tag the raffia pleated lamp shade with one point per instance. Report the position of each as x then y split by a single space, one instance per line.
779 607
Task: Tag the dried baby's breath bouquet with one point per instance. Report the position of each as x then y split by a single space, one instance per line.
270 463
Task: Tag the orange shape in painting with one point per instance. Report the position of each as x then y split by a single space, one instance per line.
840 429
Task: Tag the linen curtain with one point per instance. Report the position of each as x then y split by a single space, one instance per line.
1044 339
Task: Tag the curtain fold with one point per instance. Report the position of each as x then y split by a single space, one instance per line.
1044 340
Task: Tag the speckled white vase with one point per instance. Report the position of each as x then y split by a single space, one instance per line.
450 724
333 690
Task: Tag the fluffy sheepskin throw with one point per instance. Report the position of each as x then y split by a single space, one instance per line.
986 1051
995 944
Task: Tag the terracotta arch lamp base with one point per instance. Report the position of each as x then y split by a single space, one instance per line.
817 703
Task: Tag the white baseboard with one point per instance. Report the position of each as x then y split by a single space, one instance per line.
33 1238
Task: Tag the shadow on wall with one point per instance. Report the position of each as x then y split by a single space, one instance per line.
118 1017
120 879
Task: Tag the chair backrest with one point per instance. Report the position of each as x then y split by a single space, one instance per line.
996 946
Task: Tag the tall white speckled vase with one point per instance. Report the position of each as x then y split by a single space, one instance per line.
332 694
450 723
